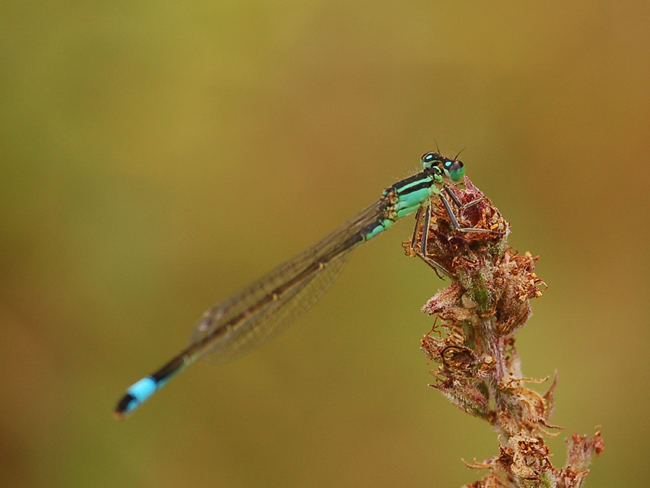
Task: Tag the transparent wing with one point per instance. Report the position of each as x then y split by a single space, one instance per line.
268 306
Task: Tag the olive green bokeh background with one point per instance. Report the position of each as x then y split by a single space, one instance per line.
158 156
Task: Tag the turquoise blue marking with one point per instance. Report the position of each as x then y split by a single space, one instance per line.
141 391
263 309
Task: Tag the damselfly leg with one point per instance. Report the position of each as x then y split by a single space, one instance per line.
419 247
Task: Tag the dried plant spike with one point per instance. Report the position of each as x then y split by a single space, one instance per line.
477 315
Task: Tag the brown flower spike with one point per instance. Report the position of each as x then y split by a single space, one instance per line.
477 315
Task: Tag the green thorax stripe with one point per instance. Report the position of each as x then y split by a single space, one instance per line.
412 191
415 183
402 199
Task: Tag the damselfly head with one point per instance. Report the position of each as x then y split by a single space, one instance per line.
452 168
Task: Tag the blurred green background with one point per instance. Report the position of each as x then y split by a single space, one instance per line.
158 156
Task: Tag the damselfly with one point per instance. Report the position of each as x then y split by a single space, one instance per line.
260 311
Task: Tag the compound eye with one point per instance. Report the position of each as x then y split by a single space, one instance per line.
429 159
456 169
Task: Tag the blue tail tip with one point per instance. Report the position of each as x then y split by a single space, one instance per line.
135 396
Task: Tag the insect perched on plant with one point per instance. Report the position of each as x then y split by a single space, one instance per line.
267 306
